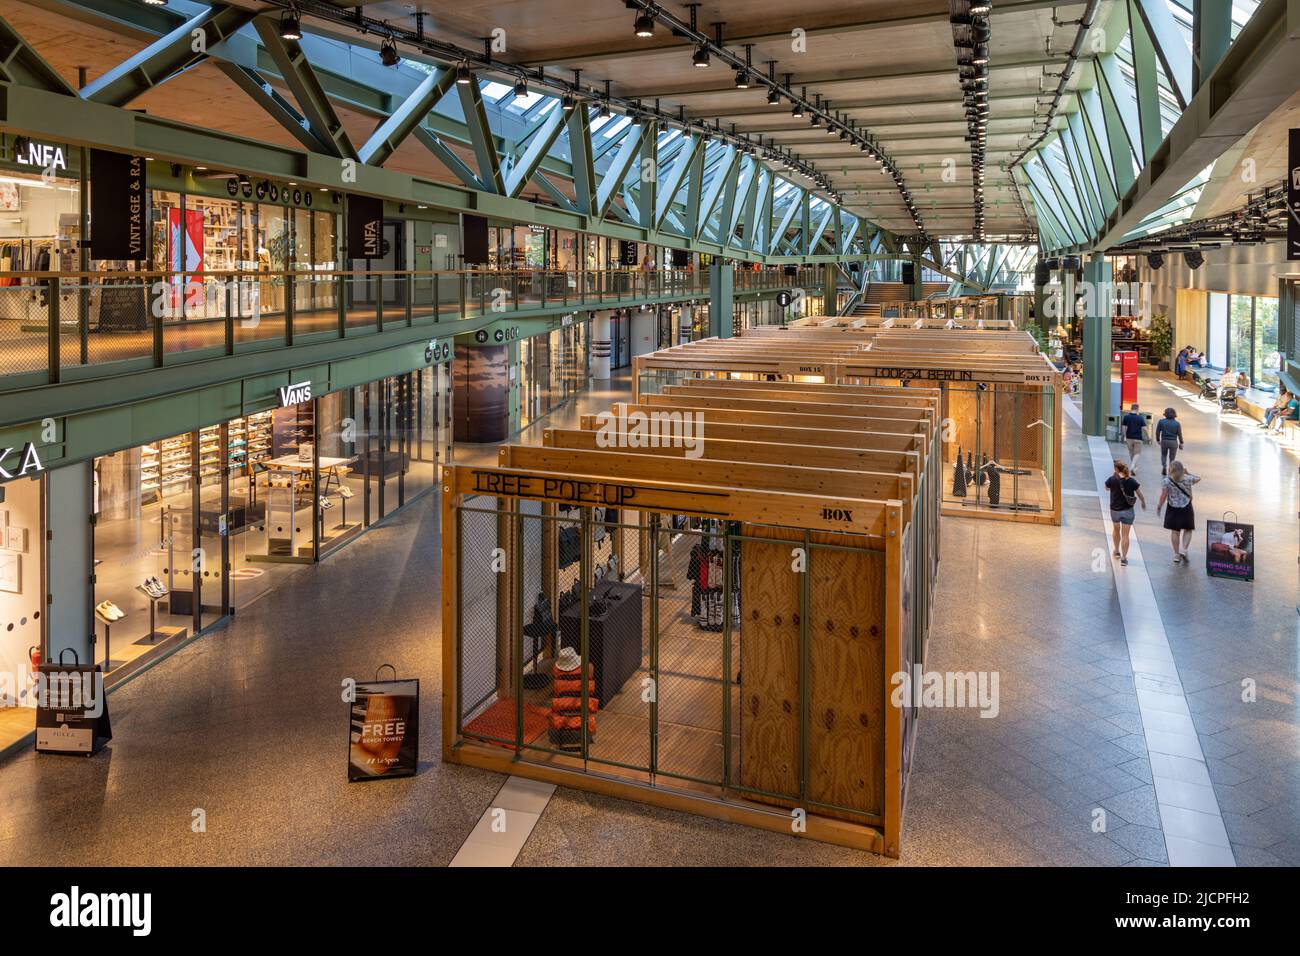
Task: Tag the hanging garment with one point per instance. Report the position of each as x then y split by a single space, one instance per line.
570 546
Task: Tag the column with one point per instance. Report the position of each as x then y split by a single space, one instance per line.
722 281
1096 344
918 280
600 346
68 624
685 332
830 287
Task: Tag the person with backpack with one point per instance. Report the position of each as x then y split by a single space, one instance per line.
1180 520
1169 435
1125 492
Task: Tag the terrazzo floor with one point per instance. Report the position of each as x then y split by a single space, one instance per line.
248 724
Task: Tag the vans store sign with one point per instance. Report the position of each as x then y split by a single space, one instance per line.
295 394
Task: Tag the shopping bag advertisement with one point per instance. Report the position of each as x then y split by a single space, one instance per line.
71 708
1230 549
384 729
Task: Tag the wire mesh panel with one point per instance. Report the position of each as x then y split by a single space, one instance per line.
691 601
24 319
618 643
487 687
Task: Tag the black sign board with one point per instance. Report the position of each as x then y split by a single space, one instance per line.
1293 196
1230 550
365 227
627 252
384 735
475 229
680 258
71 710
783 299
117 206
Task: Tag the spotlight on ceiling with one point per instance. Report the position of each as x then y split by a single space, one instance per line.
462 73
567 103
742 80
798 110
290 28
700 57
1193 258
644 26
773 98
980 8
155 3
521 89
388 55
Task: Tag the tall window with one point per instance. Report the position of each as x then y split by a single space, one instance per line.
1243 335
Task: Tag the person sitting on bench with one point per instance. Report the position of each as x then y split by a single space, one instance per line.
1291 414
1277 408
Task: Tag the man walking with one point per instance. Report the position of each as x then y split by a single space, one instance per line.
1134 425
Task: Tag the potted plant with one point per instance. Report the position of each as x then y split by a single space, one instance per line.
1161 334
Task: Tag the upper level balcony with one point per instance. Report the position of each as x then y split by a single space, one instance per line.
80 326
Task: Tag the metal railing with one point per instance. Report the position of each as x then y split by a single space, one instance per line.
52 322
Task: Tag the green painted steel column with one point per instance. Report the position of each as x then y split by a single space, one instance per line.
829 288
918 280
1211 36
722 284
1040 309
1096 347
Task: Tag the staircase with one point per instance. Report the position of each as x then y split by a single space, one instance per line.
890 293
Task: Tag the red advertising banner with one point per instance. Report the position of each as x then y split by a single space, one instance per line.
1128 377
184 254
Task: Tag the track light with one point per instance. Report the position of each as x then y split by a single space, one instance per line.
521 89
644 26
462 73
567 103
798 110
604 109
388 54
980 8
773 98
701 56
290 28
742 80
155 3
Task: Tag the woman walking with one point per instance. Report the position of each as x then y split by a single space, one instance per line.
1169 435
1125 492
1180 520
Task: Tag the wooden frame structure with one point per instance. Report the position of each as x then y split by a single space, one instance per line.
1002 399
784 719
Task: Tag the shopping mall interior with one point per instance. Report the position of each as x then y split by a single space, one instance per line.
708 434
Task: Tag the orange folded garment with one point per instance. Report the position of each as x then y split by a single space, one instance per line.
562 705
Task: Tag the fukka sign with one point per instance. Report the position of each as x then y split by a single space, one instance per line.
28 463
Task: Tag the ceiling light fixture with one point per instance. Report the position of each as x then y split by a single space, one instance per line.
462 73
645 25
290 27
521 88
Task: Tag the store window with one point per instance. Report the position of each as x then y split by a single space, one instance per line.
39 231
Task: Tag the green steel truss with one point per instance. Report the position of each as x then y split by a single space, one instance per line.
602 174
1134 141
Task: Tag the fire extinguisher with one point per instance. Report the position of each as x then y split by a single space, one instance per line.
34 652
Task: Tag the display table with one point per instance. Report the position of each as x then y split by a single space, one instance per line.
613 638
